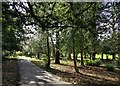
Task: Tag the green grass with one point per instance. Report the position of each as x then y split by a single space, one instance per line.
110 67
41 63
99 56
93 62
104 56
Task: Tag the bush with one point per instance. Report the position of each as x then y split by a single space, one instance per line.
93 63
118 61
19 53
89 63
110 67
96 63
44 57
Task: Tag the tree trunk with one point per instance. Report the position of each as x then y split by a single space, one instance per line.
48 53
82 61
69 55
102 56
74 57
53 47
93 55
107 57
85 55
38 55
113 56
57 59
90 57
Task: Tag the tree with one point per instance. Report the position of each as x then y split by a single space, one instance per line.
109 19
12 32
57 58
76 25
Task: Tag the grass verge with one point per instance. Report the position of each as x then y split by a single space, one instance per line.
88 76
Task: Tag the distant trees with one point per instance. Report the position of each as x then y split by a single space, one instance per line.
109 26
77 27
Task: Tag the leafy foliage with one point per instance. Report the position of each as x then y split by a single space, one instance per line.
12 32
93 63
79 28
110 67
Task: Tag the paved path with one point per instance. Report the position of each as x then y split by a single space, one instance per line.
32 75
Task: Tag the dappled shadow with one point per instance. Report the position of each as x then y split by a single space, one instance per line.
10 72
83 79
99 69
34 76
87 76
6 59
66 65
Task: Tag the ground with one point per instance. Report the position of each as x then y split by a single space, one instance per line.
10 72
32 75
89 75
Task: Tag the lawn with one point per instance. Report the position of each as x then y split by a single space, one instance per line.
89 75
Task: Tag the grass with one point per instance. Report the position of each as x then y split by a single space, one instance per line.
110 67
98 56
104 56
89 75
41 63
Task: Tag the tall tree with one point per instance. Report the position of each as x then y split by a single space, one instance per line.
109 23
12 32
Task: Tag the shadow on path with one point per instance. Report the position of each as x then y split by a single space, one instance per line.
32 75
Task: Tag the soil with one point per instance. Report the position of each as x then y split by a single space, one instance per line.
87 76
10 72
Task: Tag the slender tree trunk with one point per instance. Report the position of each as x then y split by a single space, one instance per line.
90 56
93 55
74 57
102 56
48 53
95 30
53 47
85 54
82 61
113 29
69 55
38 55
57 59
107 57
113 56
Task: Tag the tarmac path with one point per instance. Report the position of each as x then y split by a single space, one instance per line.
32 75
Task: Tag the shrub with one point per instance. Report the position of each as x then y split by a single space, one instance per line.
89 63
93 63
118 61
110 67
44 57
96 63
